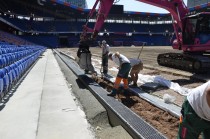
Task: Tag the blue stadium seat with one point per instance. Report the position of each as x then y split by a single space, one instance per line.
1 81
2 62
5 80
14 74
9 73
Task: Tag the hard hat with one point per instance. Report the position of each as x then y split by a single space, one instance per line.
103 41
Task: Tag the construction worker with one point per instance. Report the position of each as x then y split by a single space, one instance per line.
84 54
105 57
195 111
124 68
136 65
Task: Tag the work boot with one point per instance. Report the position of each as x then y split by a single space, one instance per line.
126 92
94 73
129 80
113 93
86 71
134 85
105 72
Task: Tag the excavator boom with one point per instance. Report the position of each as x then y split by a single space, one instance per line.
177 8
188 36
103 11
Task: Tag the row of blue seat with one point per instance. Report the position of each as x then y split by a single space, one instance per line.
12 49
13 46
10 74
3 43
9 58
8 46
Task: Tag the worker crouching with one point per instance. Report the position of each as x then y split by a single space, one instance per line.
124 69
137 66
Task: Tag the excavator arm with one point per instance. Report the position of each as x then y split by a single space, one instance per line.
178 11
103 11
177 8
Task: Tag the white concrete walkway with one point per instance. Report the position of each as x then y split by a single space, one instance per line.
43 107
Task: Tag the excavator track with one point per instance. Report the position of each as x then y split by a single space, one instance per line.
185 61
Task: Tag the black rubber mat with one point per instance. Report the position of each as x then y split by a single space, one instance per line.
151 87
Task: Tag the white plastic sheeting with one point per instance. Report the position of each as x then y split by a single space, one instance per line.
158 79
164 82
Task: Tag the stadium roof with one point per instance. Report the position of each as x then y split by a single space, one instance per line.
87 10
58 9
192 9
64 10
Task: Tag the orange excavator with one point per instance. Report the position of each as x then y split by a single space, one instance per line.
192 34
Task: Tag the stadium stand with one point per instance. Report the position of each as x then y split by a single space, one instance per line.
60 20
117 30
16 56
59 24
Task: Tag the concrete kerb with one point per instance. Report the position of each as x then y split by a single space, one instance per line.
73 58
171 108
121 115
82 96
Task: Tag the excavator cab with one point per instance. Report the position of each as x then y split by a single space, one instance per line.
195 39
197 30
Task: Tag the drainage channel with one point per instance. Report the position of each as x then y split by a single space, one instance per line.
162 116
118 113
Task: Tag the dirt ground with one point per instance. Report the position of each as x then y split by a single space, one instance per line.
148 56
161 120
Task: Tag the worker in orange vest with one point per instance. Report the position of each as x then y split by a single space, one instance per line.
124 69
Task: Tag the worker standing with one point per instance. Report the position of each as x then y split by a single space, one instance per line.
124 68
105 57
136 65
195 111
